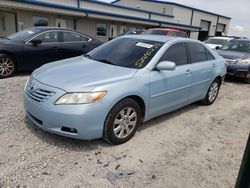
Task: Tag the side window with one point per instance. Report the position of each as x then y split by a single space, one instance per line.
172 33
209 55
48 37
197 52
180 34
176 53
73 37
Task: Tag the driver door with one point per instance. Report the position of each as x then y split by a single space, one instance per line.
48 51
169 90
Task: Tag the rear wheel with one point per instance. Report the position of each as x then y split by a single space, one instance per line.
212 93
122 121
7 66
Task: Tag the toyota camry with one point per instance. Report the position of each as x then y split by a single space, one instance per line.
108 92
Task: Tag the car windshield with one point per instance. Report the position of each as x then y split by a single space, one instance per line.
23 35
126 52
239 46
216 41
155 32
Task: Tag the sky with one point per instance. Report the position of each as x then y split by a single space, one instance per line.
238 10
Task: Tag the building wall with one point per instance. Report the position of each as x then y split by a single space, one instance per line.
7 23
150 6
87 21
25 19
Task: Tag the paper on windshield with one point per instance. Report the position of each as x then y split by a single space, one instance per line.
144 45
30 32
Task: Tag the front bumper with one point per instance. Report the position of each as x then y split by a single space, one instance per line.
87 120
238 70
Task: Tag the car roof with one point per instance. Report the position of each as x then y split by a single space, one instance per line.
159 38
243 40
166 29
221 38
44 28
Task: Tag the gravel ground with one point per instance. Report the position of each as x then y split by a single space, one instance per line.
196 146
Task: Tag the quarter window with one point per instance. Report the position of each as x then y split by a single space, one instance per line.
197 52
177 53
48 37
73 37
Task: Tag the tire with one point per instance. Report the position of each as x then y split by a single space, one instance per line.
118 127
212 92
7 66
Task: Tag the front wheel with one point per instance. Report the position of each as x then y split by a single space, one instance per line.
212 93
7 66
122 121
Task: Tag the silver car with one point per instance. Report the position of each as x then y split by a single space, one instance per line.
114 88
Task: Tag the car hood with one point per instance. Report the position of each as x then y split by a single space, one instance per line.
232 55
80 74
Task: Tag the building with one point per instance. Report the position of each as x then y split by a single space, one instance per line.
105 20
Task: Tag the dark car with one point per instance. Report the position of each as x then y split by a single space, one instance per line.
31 48
237 54
167 32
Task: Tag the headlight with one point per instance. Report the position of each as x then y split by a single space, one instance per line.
81 98
245 62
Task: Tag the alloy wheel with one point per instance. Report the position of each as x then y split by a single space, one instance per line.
213 91
6 67
125 122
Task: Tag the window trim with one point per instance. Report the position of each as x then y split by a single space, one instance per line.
60 40
75 41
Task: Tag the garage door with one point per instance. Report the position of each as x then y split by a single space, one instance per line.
205 25
220 28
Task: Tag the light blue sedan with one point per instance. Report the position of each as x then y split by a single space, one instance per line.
108 92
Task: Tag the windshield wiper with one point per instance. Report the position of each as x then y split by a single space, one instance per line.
106 61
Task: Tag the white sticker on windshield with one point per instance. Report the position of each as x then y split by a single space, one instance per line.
30 32
144 45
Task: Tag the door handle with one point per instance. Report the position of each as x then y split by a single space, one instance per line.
188 72
214 66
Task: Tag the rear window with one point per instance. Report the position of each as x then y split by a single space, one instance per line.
155 32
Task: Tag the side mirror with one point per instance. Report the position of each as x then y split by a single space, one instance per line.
217 47
35 42
166 65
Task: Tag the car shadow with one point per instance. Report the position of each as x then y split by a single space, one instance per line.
80 145
236 80
168 116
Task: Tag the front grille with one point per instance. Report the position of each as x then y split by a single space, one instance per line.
40 95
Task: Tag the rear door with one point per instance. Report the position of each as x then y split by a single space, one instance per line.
36 55
170 89
202 66
74 44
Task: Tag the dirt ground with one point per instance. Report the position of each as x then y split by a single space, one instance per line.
196 146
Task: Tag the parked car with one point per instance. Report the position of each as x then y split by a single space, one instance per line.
129 80
237 54
134 32
165 31
215 42
31 48
131 32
